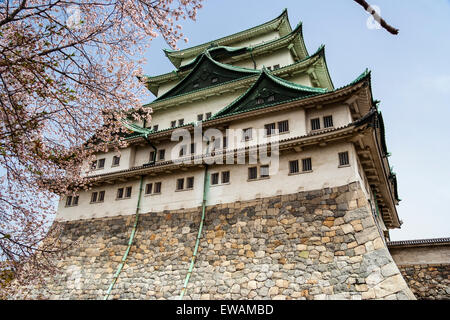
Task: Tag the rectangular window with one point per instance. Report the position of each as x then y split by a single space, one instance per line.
116 161
328 121
101 196
68 201
208 115
94 197
306 164
149 188
343 159
200 117
283 126
293 166
190 183
120 193
180 184
252 173
75 201
269 129
247 134
157 187
162 154
225 142
173 124
183 150
264 171
155 127
128 192
193 148
152 155
180 122
315 124
101 163
225 176
215 178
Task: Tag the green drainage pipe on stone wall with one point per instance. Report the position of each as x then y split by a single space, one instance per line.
199 234
130 242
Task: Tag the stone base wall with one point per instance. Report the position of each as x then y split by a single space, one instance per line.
321 244
428 281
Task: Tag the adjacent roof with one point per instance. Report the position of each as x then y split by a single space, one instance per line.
207 73
293 41
299 89
316 61
280 24
266 91
419 242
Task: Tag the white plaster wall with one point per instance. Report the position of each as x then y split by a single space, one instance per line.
301 78
256 40
325 173
283 57
189 111
341 115
245 43
299 125
126 159
163 88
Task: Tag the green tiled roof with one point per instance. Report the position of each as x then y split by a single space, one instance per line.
200 77
268 90
295 36
308 92
175 56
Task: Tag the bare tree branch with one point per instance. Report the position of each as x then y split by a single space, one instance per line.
377 17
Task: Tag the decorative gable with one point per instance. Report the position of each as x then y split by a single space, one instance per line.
268 90
207 73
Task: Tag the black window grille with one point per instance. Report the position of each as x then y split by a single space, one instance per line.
328 121
128 192
225 176
162 154
190 183
180 184
306 164
120 193
252 173
343 158
283 126
293 166
269 129
315 124
215 178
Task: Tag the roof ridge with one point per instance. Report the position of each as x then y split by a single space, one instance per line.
279 17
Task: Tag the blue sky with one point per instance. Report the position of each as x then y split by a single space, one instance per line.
410 75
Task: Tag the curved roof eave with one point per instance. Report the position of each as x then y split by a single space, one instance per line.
279 81
176 56
153 82
304 63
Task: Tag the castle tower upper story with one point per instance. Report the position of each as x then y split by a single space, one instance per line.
258 80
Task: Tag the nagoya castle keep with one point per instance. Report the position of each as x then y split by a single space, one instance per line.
256 178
